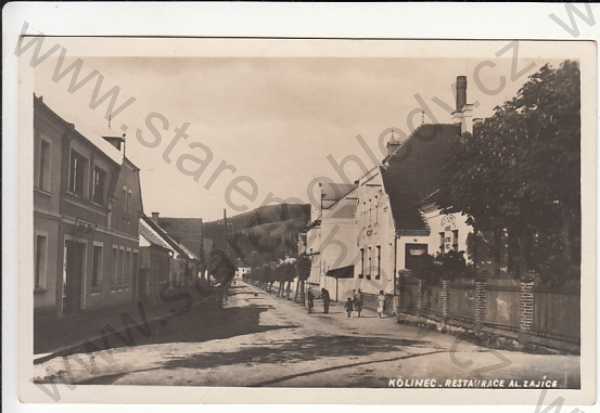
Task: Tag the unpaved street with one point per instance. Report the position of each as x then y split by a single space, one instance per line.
260 340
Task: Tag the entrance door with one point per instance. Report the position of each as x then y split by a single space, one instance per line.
73 276
414 253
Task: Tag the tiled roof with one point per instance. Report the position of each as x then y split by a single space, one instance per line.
413 172
152 236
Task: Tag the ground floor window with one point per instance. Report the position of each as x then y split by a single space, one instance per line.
115 269
41 246
378 263
96 266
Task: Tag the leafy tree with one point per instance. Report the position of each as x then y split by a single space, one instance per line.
520 171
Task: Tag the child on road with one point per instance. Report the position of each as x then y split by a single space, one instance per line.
380 304
349 307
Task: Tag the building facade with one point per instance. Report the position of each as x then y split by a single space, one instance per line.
87 201
396 225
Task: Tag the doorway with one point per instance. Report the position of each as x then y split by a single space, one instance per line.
414 253
73 276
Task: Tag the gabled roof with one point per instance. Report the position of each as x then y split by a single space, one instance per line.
94 139
413 172
159 236
152 236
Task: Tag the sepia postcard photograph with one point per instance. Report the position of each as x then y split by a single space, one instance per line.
327 216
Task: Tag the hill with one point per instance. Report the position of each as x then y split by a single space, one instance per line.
263 234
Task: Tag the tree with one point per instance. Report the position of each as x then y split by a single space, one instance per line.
303 265
520 171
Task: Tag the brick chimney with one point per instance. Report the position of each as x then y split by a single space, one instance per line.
155 216
463 114
461 92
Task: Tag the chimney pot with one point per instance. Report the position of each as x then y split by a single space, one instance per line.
155 216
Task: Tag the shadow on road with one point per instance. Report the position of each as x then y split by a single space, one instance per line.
297 350
213 324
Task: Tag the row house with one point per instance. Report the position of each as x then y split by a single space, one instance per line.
183 264
331 238
87 201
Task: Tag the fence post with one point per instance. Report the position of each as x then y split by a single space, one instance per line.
444 299
480 303
526 309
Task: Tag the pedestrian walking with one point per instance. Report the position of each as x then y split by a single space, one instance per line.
380 303
349 307
358 302
326 300
310 301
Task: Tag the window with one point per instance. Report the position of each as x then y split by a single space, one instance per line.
370 267
125 200
115 272
129 199
77 173
41 243
128 269
442 243
99 185
378 263
455 240
96 266
44 172
123 266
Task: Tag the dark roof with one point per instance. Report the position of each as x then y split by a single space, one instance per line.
166 237
342 272
152 236
186 231
413 172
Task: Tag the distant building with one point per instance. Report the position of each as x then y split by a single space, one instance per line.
184 265
87 201
188 232
331 240
241 272
156 253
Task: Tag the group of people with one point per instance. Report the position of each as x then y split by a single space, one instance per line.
352 304
310 300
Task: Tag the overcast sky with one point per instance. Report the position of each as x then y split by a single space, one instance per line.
274 119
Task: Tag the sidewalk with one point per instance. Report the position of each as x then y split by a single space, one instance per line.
54 334
370 324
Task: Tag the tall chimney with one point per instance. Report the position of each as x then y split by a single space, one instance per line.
461 92
155 216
